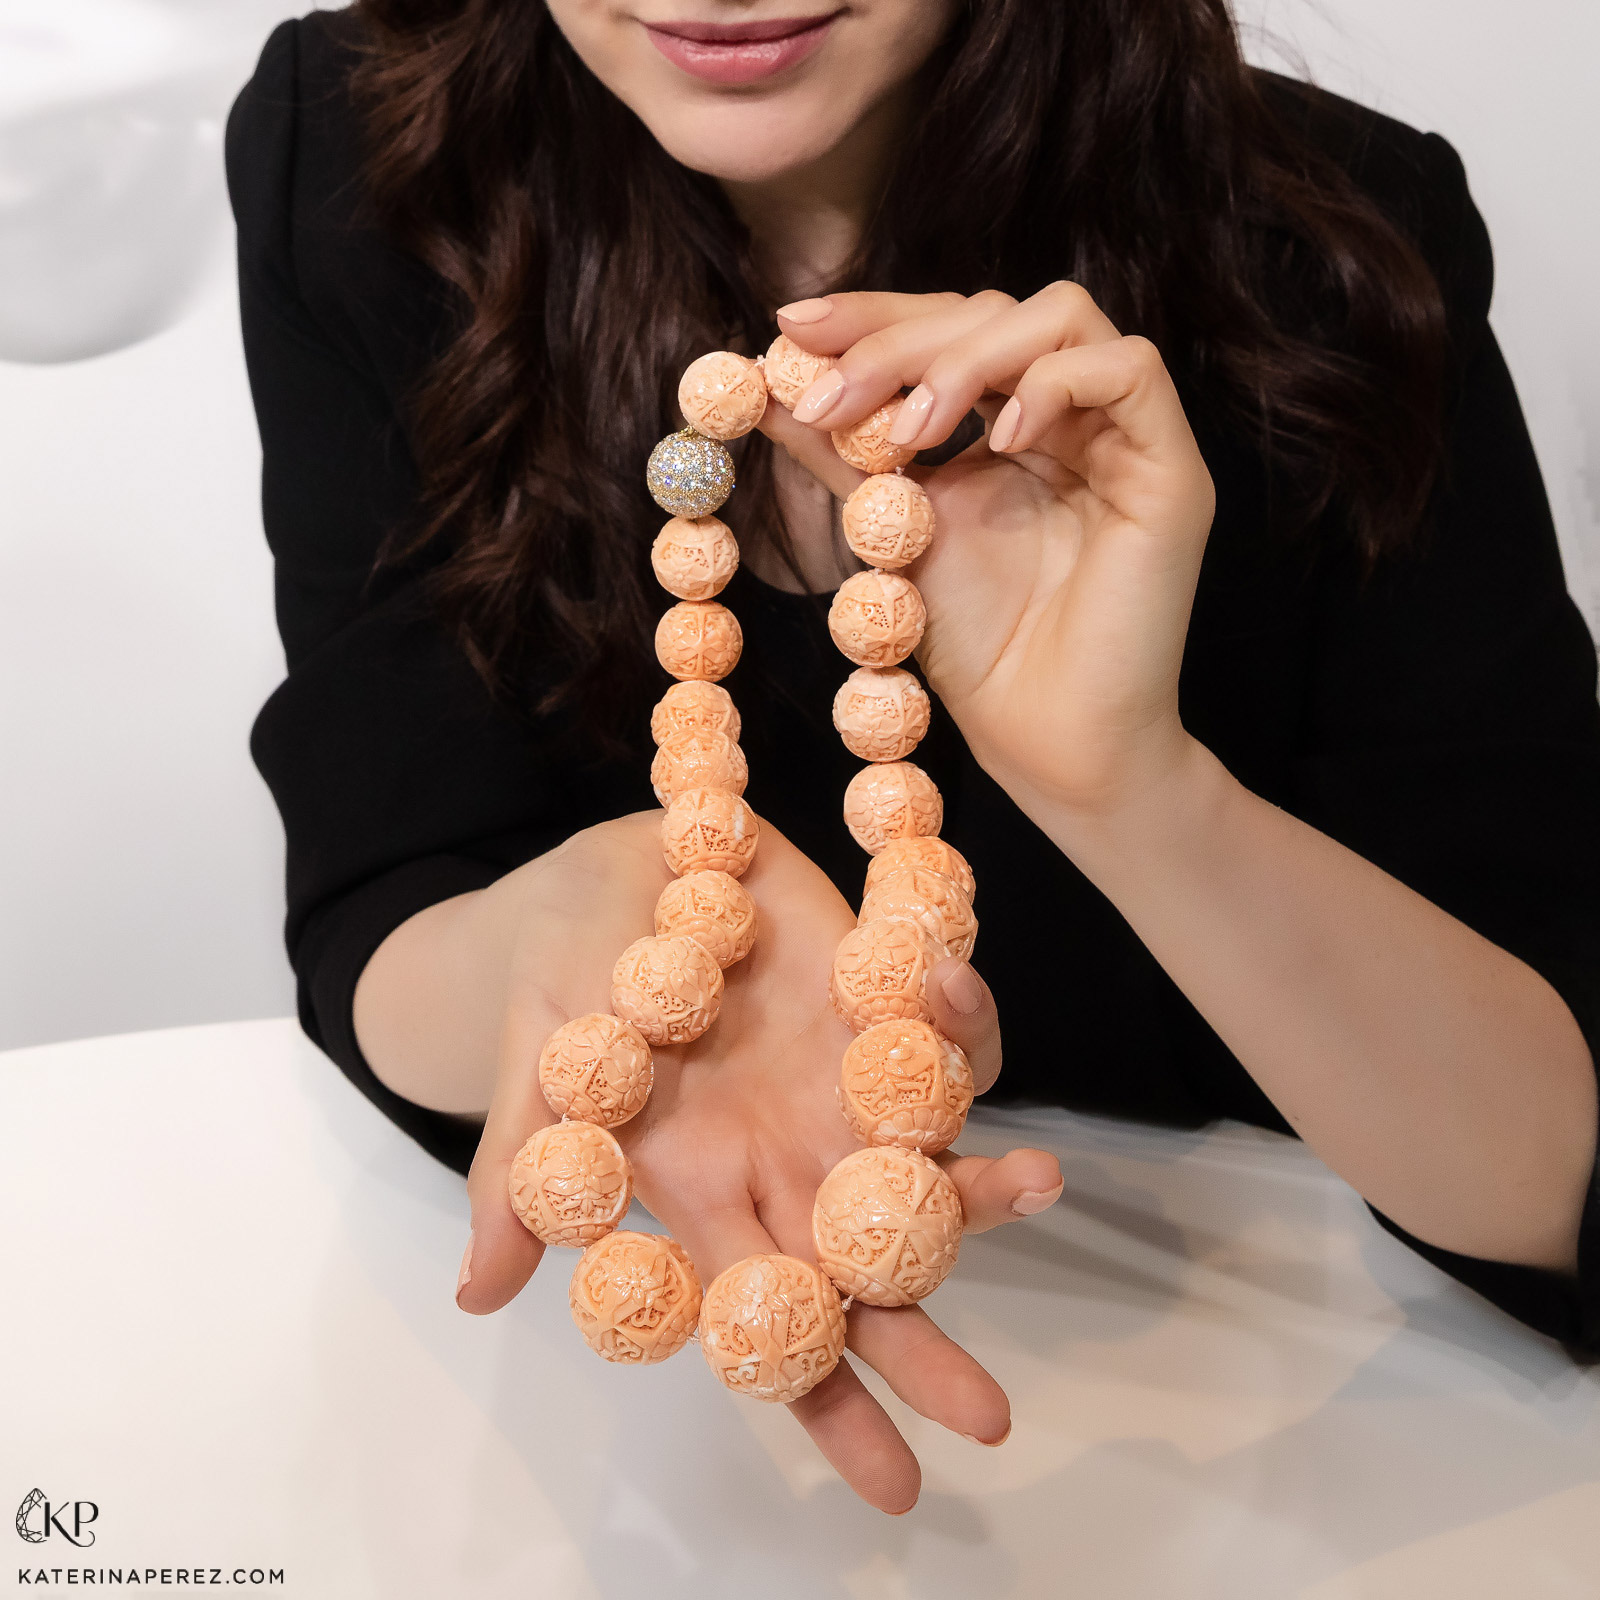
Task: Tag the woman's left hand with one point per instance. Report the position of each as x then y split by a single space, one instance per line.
1069 540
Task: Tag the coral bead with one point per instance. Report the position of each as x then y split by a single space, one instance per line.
694 706
698 761
867 444
790 371
923 852
570 1183
888 521
669 989
694 557
772 1327
635 1297
881 713
887 1226
689 475
711 908
931 900
699 639
596 1068
903 1083
877 618
892 800
880 973
709 830
723 395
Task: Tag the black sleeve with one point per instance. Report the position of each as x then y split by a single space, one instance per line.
400 781
1454 737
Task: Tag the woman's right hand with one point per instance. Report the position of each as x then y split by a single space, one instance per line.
742 1125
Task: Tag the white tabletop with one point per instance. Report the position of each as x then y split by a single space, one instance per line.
229 1325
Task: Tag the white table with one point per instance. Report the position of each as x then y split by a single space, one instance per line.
229 1325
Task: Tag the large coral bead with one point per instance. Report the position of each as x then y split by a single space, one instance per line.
887 1226
697 760
867 446
877 618
903 1083
723 395
709 830
669 989
694 706
923 852
570 1183
892 800
772 1327
880 973
596 1068
635 1297
928 898
888 521
711 908
790 371
694 557
881 713
699 639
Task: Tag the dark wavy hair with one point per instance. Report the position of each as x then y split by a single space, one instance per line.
1122 143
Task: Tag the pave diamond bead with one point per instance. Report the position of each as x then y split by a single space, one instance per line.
689 475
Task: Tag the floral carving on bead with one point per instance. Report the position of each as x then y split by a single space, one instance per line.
723 395
932 853
881 713
891 800
887 1226
689 475
694 557
711 908
596 1068
709 830
880 973
635 1297
888 521
867 445
699 639
904 1084
934 902
570 1183
669 989
790 371
772 1327
698 760
877 618
694 706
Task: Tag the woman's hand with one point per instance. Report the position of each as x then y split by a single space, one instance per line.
1060 582
742 1125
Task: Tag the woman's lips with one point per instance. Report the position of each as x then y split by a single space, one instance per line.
742 52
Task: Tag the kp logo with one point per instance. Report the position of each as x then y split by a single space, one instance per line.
36 1521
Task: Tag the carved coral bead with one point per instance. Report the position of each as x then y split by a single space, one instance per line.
887 1226
711 908
790 371
699 639
694 557
596 1068
694 706
892 800
723 395
772 1327
888 521
709 830
698 760
881 713
923 852
867 445
880 972
931 900
903 1083
877 618
570 1183
669 989
635 1297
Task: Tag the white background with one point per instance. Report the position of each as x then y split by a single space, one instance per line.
139 854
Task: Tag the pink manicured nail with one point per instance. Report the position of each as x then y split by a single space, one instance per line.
1032 1201
964 990
913 414
805 310
1006 425
821 397
466 1269
989 1444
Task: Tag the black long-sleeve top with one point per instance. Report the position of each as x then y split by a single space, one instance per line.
1441 719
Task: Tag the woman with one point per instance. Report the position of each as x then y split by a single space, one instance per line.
1266 721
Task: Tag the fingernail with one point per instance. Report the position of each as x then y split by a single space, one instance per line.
821 397
912 415
989 1444
466 1269
963 989
1006 425
1032 1201
805 310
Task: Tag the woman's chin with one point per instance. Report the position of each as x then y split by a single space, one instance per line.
747 145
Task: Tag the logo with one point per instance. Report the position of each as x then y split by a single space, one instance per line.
37 1519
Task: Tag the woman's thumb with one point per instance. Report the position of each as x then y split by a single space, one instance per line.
963 1010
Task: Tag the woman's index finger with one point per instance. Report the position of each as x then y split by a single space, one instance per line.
830 324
